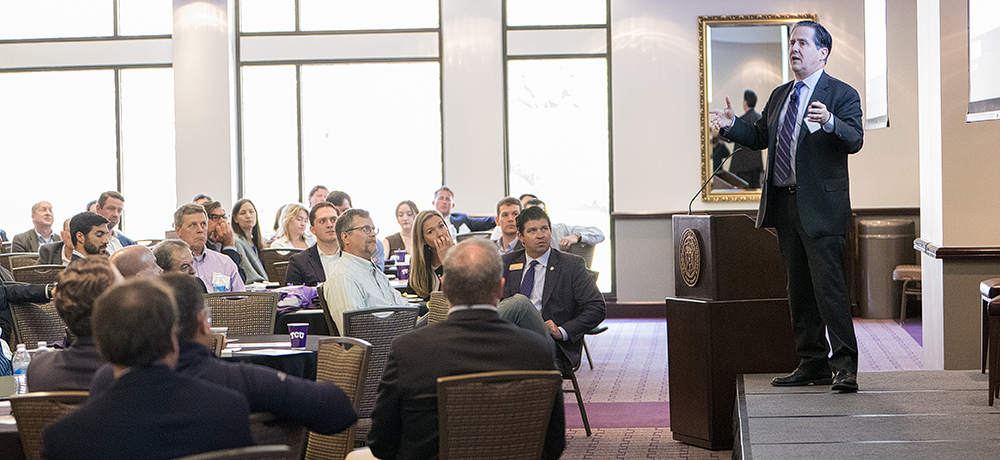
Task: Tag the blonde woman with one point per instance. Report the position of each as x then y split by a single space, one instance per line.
431 242
292 233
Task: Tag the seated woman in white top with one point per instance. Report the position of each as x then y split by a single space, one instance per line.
292 233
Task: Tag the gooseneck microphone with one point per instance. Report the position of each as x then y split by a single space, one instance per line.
714 173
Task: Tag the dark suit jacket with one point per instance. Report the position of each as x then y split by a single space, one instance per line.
305 268
16 293
152 413
50 254
747 163
320 407
822 186
405 418
28 241
475 224
570 299
70 369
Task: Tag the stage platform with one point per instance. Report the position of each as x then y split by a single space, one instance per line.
896 415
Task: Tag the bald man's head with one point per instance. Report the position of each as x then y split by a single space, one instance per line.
136 261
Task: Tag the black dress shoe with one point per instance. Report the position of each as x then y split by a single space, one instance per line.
845 382
801 378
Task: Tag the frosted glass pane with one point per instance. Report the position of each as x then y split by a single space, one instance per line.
57 138
374 131
558 142
23 19
267 16
368 14
270 145
148 159
145 17
556 12
876 63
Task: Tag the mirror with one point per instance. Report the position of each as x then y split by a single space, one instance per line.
739 53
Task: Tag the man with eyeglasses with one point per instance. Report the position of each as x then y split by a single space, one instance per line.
221 239
217 271
354 281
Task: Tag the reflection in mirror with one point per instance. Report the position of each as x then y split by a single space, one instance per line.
743 58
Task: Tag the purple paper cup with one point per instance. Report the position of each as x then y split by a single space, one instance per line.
401 256
297 333
402 272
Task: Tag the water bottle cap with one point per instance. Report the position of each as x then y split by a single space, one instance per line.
42 344
21 347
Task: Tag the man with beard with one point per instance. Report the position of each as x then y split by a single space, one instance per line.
90 234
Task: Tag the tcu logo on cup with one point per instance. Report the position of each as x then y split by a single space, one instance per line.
298 335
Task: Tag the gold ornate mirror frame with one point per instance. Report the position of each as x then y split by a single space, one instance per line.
709 193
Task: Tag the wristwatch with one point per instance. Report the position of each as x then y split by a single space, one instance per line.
50 289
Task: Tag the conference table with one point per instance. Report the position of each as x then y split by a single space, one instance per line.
275 351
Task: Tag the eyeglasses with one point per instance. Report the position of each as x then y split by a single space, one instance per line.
368 229
218 216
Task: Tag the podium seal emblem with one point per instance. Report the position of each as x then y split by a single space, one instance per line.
690 257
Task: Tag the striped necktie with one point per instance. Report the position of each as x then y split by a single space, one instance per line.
528 282
783 150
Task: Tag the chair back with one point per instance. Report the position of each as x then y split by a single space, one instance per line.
583 250
330 323
34 412
218 343
269 430
5 248
479 412
272 452
34 322
378 326
37 274
437 307
344 362
278 270
244 313
270 256
464 236
12 260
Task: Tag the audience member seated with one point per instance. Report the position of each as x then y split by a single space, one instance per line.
248 240
216 270
444 201
431 242
342 201
355 281
292 233
174 256
41 233
506 232
72 368
149 412
473 339
58 253
524 198
406 211
15 293
320 407
89 234
136 260
220 235
201 199
558 284
310 267
563 235
111 205
318 194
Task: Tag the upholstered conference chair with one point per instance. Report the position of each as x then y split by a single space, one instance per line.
34 412
244 313
344 362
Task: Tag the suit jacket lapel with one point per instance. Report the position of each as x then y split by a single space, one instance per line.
818 94
551 277
513 283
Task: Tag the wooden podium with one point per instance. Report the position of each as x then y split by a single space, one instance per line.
730 317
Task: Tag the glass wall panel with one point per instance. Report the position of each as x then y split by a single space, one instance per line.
57 135
556 12
24 19
270 142
267 16
374 131
876 64
368 14
148 159
145 17
558 142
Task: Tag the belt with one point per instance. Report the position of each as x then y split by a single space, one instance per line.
788 189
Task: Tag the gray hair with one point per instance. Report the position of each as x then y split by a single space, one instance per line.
164 252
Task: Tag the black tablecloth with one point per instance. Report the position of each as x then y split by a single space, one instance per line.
300 365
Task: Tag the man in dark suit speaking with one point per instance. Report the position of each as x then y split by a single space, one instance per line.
809 126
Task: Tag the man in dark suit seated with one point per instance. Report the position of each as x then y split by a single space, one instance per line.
444 201
473 339
557 283
58 253
310 267
41 232
320 407
150 412
72 368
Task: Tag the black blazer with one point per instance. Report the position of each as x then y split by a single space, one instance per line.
405 418
305 268
822 186
570 298
50 254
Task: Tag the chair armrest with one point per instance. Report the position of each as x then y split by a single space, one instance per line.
990 288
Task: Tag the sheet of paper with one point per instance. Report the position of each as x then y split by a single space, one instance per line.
273 352
813 126
264 345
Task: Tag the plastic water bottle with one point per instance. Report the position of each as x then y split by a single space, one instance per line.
20 364
43 347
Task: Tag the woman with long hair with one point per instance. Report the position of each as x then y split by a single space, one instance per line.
294 223
431 242
402 240
248 241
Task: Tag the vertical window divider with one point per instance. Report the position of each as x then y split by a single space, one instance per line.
120 167
506 92
298 123
238 82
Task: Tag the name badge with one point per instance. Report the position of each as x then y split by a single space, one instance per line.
516 267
